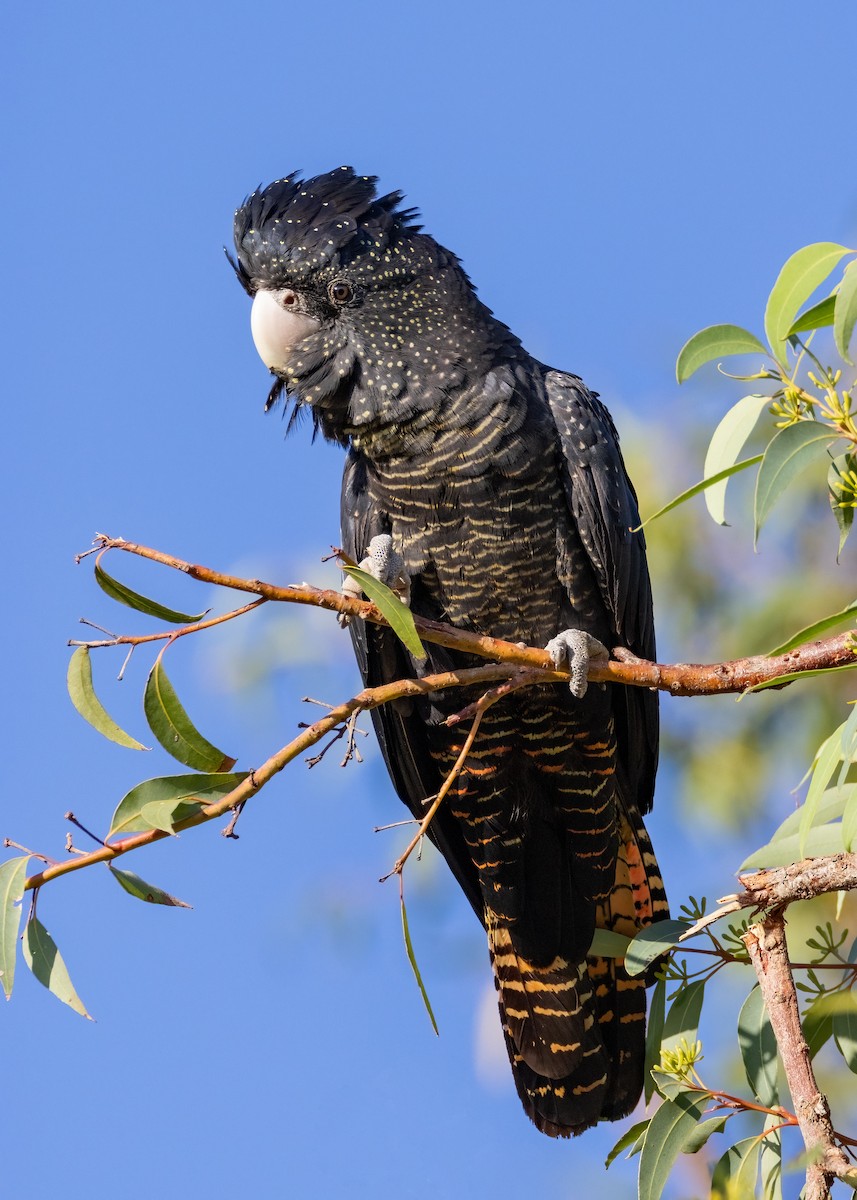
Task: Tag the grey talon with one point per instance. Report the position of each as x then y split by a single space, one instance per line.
385 564
574 650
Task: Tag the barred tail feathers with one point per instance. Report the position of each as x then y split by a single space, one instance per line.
637 899
552 1036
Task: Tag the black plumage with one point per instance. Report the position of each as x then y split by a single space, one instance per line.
502 485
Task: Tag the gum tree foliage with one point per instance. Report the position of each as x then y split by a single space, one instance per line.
802 407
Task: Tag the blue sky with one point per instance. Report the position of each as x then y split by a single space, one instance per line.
614 177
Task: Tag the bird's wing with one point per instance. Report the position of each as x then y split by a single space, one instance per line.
401 725
603 506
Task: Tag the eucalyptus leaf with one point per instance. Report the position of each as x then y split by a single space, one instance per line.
830 807
730 1175
811 633
631 1140
839 491
701 487
45 961
184 793
848 743
817 1024
825 763
791 676
398 615
849 818
13 875
412 959
716 341
800 276
137 887
771 1161
817 317
651 942
788 453
818 843
124 595
703 1132
670 1130
174 729
607 944
682 1020
845 1033
654 1034
82 694
845 316
726 444
758 1048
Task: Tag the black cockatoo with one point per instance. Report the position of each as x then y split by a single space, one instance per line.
492 488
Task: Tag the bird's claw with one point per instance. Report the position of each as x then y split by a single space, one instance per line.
574 650
386 565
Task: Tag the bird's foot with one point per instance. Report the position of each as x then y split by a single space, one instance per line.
386 565
574 650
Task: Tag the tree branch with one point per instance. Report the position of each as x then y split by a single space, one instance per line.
679 679
780 886
766 945
367 699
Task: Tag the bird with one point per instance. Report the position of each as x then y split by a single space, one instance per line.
491 489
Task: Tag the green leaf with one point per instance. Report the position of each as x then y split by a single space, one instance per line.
670 1129
734 1176
174 729
791 676
811 633
800 276
788 452
717 341
848 742
13 875
845 314
413 961
118 591
45 961
703 1132
758 1048
84 699
819 843
181 796
135 886
817 317
607 944
817 1024
845 1031
849 817
825 763
700 487
682 1020
654 1034
771 1161
839 491
669 1087
632 1141
398 615
651 942
830 807
726 444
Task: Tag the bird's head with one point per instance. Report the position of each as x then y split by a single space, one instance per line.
361 317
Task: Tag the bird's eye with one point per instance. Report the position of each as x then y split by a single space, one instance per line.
339 291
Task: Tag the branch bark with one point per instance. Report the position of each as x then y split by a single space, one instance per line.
679 679
766 945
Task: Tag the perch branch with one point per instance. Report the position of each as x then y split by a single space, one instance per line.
679 679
